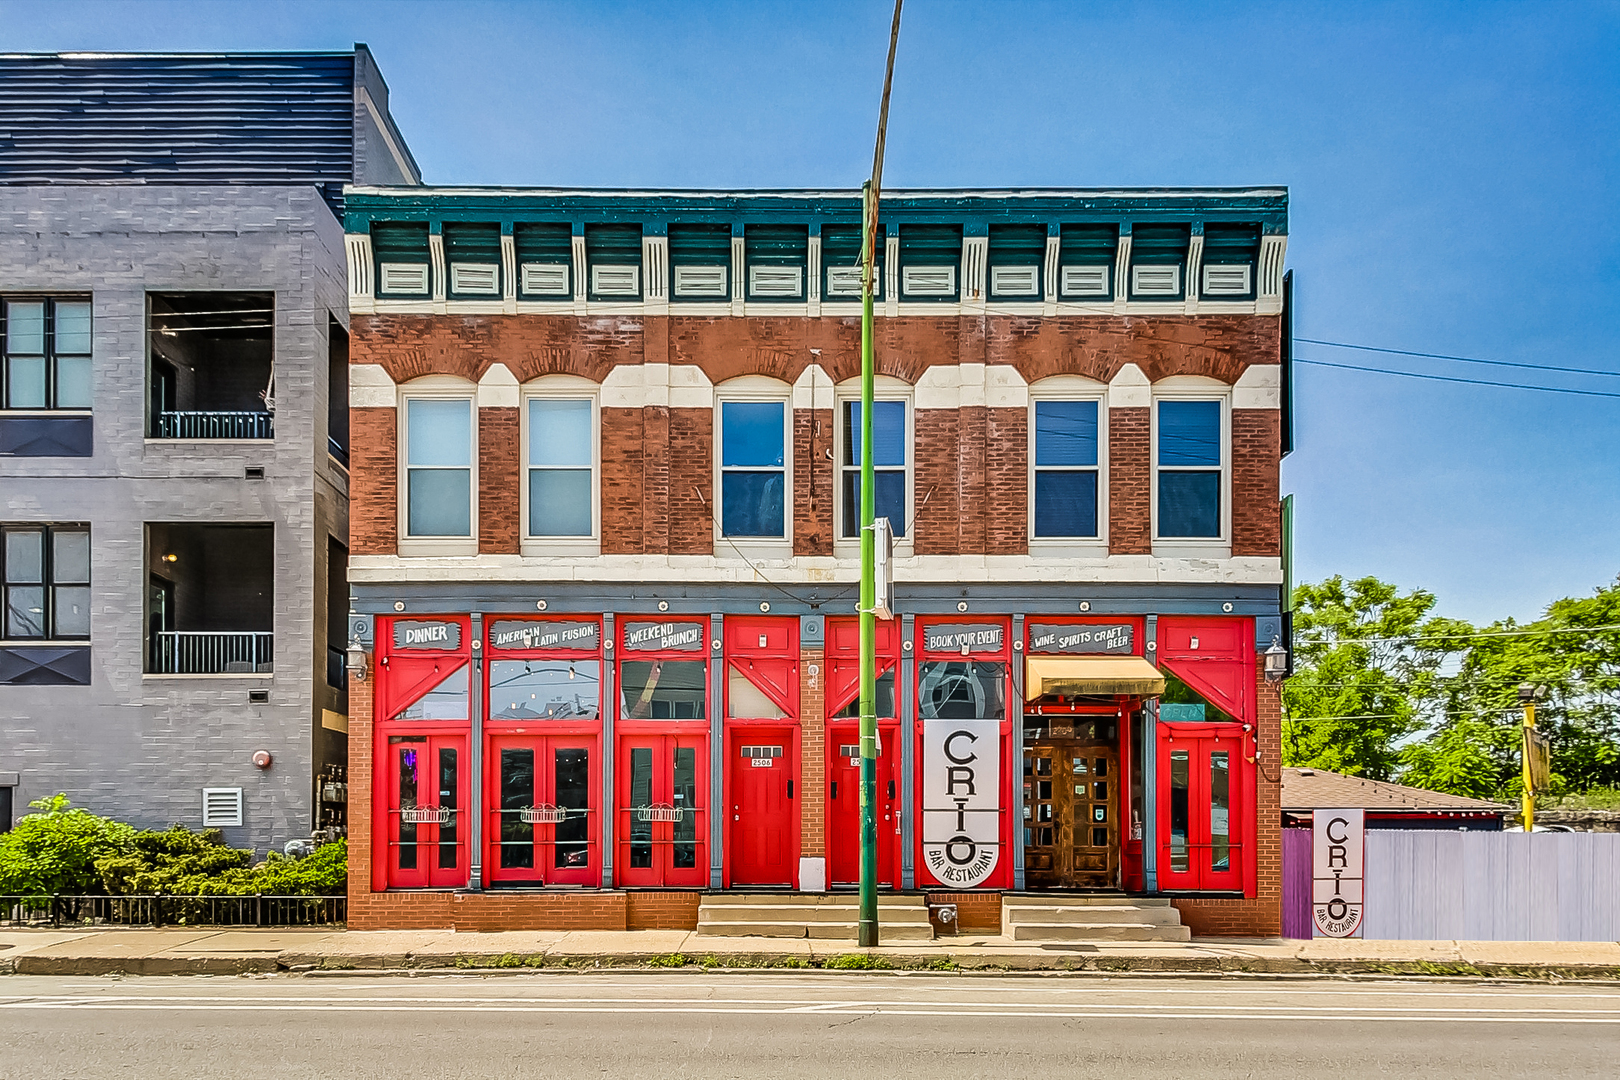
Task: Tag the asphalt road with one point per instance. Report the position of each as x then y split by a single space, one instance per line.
778 1025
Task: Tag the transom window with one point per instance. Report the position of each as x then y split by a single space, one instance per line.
561 467
889 464
753 469
1190 462
46 574
438 467
47 354
1066 471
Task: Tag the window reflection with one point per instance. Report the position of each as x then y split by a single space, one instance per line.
545 689
663 689
446 701
883 699
962 690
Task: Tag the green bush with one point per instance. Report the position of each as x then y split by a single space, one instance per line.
179 862
56 849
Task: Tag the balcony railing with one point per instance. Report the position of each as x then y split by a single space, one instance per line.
201 652
215 425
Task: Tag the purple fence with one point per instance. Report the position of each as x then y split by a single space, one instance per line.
1296 883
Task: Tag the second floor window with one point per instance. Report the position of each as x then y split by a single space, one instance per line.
46 574
438 467
1189 460
889 461
561 453
1065 469
753 469
47 354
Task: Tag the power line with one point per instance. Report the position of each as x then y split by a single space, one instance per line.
1457 379
1474 634
1460 359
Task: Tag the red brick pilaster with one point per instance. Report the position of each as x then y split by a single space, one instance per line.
500 473
1256 462
1130 485
373 482
812 753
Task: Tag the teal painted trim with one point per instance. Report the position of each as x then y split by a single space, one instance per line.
931 244
1017 245
544 242
1160 245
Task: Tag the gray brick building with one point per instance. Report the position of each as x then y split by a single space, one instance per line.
173 431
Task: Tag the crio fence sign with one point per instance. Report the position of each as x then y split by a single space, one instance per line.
961 823
1338 867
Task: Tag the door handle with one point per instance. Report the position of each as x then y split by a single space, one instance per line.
891 789
835 789
790 789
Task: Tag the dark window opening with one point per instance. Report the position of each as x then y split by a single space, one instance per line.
337 618
337 392
211 372
45 579
211 600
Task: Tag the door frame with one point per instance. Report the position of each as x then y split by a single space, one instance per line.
1202 739
739 733
432 876
889 736
542 742
665 736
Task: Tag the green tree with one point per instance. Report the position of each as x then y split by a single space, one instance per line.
1367 663
56 849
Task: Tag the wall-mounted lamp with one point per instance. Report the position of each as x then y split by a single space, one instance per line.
171 557
1276 661
357 660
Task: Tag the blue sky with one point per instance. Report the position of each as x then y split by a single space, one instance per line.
1454 171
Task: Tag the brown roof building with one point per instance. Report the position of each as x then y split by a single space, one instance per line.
1388 806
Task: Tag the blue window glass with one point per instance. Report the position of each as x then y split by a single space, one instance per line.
753 474
888 466
1190 433
1065 469
560 454
438 481
1189 504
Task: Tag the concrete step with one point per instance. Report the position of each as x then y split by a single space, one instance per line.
819 931
799 899
809 915
806 913
1012 900
1025 915
1098 932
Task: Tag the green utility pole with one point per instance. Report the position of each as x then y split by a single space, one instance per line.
868 932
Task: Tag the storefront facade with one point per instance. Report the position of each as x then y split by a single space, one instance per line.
604 653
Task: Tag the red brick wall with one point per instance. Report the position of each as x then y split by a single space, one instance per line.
373 482
815 484
661 910
1262 916
974 910
361 700
1256 461
1006 463
623 481
1130 483
812 753
936 513
691 482
500 473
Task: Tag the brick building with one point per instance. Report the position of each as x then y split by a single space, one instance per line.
604 551
173 431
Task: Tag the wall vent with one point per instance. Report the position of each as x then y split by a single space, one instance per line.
1085 281
258 697
1015 281
1231 279
221 807
845 281
479 278
783 281
545 279
253 472
709 281
616 280
928 280
403 278
1156 280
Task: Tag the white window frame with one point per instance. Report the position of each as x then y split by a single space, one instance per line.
438 388
569 388
885 388
1071 388
754 388
1193 388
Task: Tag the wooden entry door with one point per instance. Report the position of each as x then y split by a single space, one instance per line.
844 804
1071 827
764 769
426 778
663 820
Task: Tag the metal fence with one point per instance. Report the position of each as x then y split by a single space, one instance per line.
1438 885
259 911
201 652
215 425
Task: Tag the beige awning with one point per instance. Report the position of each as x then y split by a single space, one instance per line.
1076 676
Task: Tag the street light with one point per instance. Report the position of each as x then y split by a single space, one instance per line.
1276 661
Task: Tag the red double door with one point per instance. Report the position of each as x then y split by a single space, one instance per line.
426 786
663 817
844 802
542 824
1206 792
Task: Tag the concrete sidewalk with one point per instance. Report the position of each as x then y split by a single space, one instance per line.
231 952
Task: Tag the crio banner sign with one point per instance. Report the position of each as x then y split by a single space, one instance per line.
961 826
1338 861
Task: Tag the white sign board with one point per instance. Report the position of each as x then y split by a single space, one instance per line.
961 826
1338 861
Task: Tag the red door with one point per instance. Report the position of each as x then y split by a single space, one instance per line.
663 820
426 781
1205 808
764 766
844 804
542 824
